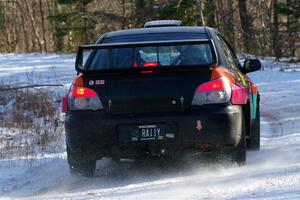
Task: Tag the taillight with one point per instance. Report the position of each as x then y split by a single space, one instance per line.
81 98
213 92
83 92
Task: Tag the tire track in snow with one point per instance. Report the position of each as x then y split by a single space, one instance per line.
274 123
277 120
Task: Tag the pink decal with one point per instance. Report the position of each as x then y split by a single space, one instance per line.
239 95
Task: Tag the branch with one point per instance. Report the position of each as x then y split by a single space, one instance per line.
31 86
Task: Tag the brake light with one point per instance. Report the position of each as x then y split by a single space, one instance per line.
150 64
213 92
83 92
215 85
81 98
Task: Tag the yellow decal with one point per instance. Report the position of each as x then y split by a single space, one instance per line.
242 78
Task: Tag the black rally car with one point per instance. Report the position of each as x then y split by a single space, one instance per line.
160 90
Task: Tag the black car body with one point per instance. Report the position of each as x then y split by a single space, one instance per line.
160 91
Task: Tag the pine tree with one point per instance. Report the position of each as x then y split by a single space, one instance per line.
209 13
75 21
144 11
184 10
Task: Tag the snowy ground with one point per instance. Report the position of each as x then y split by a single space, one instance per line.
271 173
36 68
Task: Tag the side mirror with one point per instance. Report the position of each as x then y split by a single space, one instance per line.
251 65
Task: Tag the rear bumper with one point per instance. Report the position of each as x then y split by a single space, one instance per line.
98 132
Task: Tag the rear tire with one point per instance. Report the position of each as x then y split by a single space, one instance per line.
81 164
254 140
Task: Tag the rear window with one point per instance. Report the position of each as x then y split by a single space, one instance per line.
163 56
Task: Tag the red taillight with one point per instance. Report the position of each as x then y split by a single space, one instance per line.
81 98
212 92
83 92
150 64
215 85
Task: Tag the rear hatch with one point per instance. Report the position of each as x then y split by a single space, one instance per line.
147 93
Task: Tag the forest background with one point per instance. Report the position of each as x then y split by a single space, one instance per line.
259 27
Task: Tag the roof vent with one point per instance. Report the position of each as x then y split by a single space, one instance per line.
162 23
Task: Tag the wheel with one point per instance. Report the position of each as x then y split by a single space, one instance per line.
81 164
254 139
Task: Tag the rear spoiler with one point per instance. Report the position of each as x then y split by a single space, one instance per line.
79 66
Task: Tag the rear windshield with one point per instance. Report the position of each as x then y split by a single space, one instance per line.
151 56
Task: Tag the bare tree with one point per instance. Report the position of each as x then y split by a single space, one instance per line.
246 25
29 25
33 25
275 31
43 25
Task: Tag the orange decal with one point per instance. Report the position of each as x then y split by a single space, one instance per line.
222 72
254 89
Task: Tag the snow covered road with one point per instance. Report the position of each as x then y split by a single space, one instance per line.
271 173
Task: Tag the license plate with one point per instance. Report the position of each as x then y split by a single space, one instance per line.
148 132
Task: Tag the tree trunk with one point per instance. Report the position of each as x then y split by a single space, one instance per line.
229 29
43 25
51 6
209 13
275 32
6 28
123 14
246 25
33 25
14 27
199 11
219 14
24 31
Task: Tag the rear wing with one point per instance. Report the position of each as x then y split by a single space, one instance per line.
80 66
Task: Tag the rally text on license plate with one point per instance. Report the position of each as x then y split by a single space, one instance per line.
149 132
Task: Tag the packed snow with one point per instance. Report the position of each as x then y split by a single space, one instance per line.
271 173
